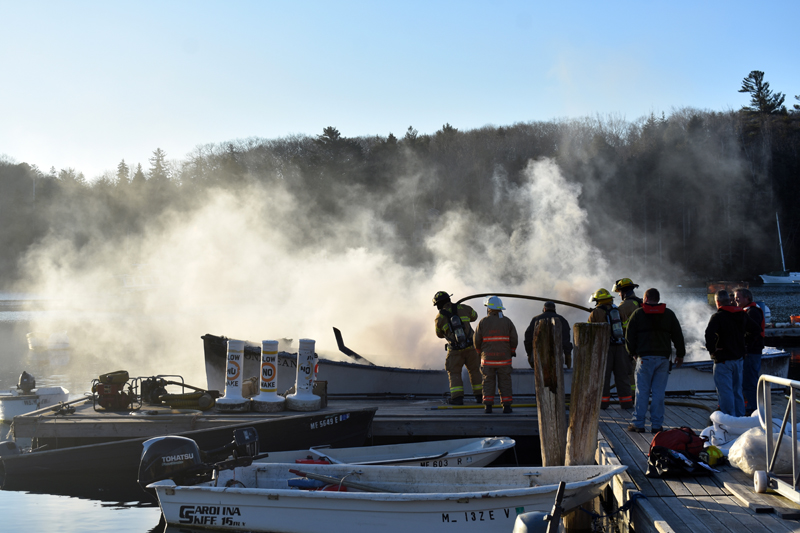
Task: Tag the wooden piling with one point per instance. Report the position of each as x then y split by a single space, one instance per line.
549 381
589 364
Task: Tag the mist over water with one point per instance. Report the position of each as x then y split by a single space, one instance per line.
258 264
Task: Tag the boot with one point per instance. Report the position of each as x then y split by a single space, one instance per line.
487 408
479 398
506 408
458 400
604 405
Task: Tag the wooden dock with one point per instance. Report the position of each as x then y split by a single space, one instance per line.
721 502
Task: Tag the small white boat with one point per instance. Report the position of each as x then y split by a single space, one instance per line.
27 398
377 498
475 452
781 277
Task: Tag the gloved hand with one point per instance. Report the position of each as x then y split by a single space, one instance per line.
568 359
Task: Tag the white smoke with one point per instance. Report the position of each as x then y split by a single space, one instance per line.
232 267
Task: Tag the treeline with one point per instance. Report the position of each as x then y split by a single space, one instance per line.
693 193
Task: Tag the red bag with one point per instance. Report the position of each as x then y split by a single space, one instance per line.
682 439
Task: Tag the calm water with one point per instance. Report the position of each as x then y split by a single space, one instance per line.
47 513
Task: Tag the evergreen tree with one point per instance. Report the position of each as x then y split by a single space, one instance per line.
138 177
158 168
123 173
762 100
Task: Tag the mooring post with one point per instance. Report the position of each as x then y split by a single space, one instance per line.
549 381
589 364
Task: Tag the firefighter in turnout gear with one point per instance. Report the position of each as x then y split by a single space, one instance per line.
496 340
453 325
628 304
618 361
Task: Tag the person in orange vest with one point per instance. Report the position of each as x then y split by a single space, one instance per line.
618 361
453 324
496 340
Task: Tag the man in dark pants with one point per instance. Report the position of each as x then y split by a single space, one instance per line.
754 344
548 312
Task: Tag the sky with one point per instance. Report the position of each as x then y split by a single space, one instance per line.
86 84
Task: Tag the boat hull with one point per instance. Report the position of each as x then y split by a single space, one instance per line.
780 278
110 470
488 500
353 379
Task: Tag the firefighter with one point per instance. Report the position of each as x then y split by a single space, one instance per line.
453 324
618 361
628 304
496 340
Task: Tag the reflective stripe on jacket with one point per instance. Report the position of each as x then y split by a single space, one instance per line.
496 339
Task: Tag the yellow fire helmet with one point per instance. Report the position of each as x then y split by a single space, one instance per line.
600 295
622 284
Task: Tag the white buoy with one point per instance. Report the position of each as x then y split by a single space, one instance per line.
268 400
304 399
233 399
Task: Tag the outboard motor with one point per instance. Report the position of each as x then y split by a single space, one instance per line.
176 458
180 459
26 383
8 447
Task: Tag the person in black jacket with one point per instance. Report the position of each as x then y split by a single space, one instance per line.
548 312
652 330
725 342
754 345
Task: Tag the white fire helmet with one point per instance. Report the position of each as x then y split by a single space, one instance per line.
493 302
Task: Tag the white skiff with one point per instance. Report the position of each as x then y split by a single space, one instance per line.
400 499
15 402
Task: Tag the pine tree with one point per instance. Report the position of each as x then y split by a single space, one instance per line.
158 169
138 179
123 173
762 100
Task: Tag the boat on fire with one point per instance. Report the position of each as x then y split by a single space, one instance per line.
296 498
360 379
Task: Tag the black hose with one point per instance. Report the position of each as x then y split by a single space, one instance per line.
525 297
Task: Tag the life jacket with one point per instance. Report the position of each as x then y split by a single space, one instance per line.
614 319
462 340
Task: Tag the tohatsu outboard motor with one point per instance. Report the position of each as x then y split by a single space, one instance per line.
176 458
180 459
